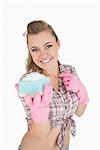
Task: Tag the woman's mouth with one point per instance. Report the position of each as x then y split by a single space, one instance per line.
46 61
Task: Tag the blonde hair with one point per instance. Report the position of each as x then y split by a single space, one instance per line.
35 27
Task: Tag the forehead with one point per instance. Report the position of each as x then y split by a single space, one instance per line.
41 38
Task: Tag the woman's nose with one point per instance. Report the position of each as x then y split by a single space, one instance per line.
43 52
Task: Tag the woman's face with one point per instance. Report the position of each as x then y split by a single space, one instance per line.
43 48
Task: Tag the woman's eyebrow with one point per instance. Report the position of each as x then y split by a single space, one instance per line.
43 45
33 47
46 43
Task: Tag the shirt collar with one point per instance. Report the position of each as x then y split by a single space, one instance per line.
61 67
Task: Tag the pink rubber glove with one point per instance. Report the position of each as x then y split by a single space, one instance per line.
73 83
39 104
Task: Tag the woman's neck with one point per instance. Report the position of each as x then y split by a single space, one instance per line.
52 72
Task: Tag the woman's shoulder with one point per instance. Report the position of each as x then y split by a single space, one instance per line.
67 67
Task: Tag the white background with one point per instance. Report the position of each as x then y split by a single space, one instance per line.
77 25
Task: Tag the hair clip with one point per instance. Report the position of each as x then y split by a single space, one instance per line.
25 34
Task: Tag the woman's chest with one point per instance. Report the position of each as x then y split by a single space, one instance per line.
63 103
55 83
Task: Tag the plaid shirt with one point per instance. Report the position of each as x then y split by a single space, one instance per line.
62 108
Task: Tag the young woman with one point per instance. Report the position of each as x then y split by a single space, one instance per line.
50 129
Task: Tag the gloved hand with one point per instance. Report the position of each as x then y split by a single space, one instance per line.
73 83
39 104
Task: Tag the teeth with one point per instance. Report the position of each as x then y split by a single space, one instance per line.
46 61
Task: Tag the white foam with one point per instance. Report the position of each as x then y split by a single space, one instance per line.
34 76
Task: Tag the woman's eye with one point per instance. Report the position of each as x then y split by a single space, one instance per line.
48 46
34 50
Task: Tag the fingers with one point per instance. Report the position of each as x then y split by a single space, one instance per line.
33 101
37 99
69 85
46 91
40 101
17 86
70 81
67 79
47 95
43 100
50 93
28 100
66 74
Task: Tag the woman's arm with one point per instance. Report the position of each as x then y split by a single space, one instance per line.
80 109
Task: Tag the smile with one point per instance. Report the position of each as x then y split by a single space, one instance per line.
46 61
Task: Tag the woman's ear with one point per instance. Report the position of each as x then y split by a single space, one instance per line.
58 42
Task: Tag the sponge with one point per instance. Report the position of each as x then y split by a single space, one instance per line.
32 83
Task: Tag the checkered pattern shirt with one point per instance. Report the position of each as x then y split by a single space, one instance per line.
62 108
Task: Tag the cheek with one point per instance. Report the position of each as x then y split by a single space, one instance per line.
34 56
55 52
